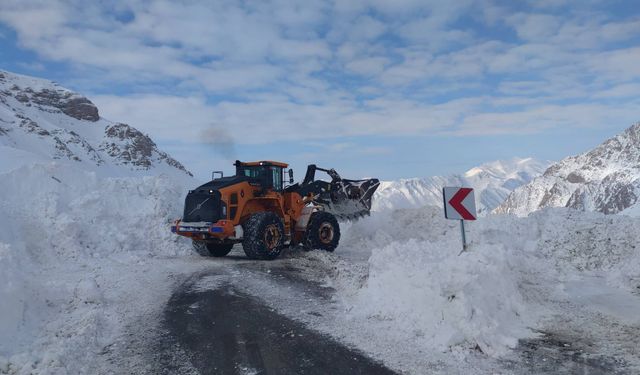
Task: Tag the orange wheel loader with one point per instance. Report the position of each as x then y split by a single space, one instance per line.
256 209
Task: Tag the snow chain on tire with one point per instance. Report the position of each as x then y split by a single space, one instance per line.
263 236
323 232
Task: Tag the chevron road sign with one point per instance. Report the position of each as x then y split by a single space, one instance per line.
459 204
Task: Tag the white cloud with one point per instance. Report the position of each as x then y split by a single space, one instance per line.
368 66
234 47
303 70
627 90
366 28
32 66
618 65
535 27
537 118
592 33
166 117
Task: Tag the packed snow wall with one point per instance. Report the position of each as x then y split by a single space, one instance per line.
58 226
417 287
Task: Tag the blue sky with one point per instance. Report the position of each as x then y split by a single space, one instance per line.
379 88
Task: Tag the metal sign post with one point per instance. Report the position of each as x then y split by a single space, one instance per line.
459 204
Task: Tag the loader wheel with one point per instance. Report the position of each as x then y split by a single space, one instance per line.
209 249
263 236
323 232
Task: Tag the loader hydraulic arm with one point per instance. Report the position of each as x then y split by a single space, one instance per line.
311 174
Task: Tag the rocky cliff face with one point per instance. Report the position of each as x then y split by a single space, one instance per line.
43 119
128 146
605 179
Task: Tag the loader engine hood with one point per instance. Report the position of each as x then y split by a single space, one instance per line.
202 206
204 202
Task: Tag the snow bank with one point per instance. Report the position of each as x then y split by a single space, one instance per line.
56 212
445 300
18 316
417 288
67 237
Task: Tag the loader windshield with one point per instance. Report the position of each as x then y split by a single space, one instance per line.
268 176
252 172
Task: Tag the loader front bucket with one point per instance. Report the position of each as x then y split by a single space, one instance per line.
345 199
351 199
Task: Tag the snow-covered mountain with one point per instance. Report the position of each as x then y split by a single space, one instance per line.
605 179
41 121
492 182
82 198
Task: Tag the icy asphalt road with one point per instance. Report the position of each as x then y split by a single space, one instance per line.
225 331
223 320
236 316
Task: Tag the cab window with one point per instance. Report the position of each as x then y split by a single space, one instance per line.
267 176
252 172
276 175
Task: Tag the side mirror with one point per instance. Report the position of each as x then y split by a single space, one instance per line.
291 176
213 174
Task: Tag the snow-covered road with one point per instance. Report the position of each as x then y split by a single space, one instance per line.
551 293
238 316
225 330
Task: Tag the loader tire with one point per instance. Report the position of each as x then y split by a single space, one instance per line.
263 236
208 249
323 232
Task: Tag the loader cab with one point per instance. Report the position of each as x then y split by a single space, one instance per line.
268 174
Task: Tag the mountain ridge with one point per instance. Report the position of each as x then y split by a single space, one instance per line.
41 120
605 179
492 181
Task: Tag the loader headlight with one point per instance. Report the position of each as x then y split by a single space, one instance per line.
224 209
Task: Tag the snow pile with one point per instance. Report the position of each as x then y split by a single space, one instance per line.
580 243
492 182
445 300
417 289
68 238
16 288
60 212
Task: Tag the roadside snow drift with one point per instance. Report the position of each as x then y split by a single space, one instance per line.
418 288
68 241
56 211
427 291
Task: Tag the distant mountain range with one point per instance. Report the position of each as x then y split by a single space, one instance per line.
605 179
493 182
41 121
